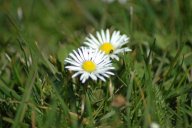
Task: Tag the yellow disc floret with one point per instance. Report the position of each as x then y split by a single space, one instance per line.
89 66
107 48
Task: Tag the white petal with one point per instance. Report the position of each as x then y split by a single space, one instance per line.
95 40
101 77
107 35
110 73
115 57
74 57
93 77
74 68
122 50
73 63
91 43
76 74
103 36
99 37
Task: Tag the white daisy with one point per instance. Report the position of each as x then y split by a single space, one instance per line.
89 64
110 44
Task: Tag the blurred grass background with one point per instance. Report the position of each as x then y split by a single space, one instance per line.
154 81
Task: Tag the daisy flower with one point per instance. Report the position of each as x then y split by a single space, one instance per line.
89 64
112 44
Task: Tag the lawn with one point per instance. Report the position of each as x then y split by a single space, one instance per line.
152 84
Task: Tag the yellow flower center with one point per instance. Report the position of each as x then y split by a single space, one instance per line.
107 48
89 66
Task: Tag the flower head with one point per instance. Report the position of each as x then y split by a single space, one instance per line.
112 45
89 63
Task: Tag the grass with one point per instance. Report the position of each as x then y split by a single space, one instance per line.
153 83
